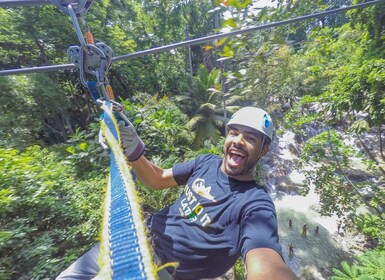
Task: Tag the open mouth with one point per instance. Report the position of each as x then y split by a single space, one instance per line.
236 158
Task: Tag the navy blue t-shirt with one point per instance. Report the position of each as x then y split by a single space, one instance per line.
216 220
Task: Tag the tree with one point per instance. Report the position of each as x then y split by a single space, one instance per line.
203 103
48 208
344 72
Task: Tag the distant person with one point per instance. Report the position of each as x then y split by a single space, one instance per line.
291 249
304 229
290 223
316 231
339 224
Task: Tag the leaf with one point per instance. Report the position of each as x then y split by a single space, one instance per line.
70 149
230 22
83 146
207 48
360 126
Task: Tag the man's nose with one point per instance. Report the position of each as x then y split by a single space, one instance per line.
239 139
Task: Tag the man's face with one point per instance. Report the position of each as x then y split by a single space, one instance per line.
242 149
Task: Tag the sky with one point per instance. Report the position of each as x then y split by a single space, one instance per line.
263 3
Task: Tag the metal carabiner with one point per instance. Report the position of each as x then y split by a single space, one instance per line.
105 65
93 58
117 108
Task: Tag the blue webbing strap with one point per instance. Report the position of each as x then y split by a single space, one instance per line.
125 251
94 91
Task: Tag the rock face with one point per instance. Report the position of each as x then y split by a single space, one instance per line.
280 164
280 167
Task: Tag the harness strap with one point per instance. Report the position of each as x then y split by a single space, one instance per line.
94 91
125 250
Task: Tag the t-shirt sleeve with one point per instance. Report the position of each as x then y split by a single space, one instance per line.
259 229
183 171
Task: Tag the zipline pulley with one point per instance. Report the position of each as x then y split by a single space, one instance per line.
80 7
95 61
91 59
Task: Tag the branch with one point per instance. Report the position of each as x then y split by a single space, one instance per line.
381 146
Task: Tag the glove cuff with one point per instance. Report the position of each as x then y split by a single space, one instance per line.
138 152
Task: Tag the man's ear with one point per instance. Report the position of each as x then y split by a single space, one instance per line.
265 149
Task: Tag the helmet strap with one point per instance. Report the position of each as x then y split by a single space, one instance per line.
261 147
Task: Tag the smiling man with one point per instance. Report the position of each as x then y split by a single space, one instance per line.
250 132
222 214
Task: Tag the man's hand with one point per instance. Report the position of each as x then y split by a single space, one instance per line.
132 145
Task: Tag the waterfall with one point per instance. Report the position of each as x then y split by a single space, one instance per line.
315 254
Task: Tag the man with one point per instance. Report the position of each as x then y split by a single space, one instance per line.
222 214
304 229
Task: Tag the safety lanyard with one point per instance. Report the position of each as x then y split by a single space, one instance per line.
125 252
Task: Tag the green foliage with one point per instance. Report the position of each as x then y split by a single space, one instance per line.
239 269
161 125
207 118
50 198
35 110
208 147
46 209
149 24
342 75
85 152
369 266
373 226
347 272
339 195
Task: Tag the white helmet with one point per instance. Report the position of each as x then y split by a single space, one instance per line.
255 118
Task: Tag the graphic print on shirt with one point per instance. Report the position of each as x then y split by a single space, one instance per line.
199 188
190 206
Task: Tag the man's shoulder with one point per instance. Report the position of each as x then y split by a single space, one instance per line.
204 158
209 156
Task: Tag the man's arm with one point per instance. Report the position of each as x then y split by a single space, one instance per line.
152 175
265 264
148 173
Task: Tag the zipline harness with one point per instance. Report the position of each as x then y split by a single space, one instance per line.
124 249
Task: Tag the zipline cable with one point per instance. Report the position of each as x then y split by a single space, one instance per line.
16 3
191 42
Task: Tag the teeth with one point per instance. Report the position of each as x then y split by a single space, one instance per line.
237 153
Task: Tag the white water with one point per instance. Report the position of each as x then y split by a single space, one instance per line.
314 255
316 252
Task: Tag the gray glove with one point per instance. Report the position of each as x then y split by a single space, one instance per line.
133 146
